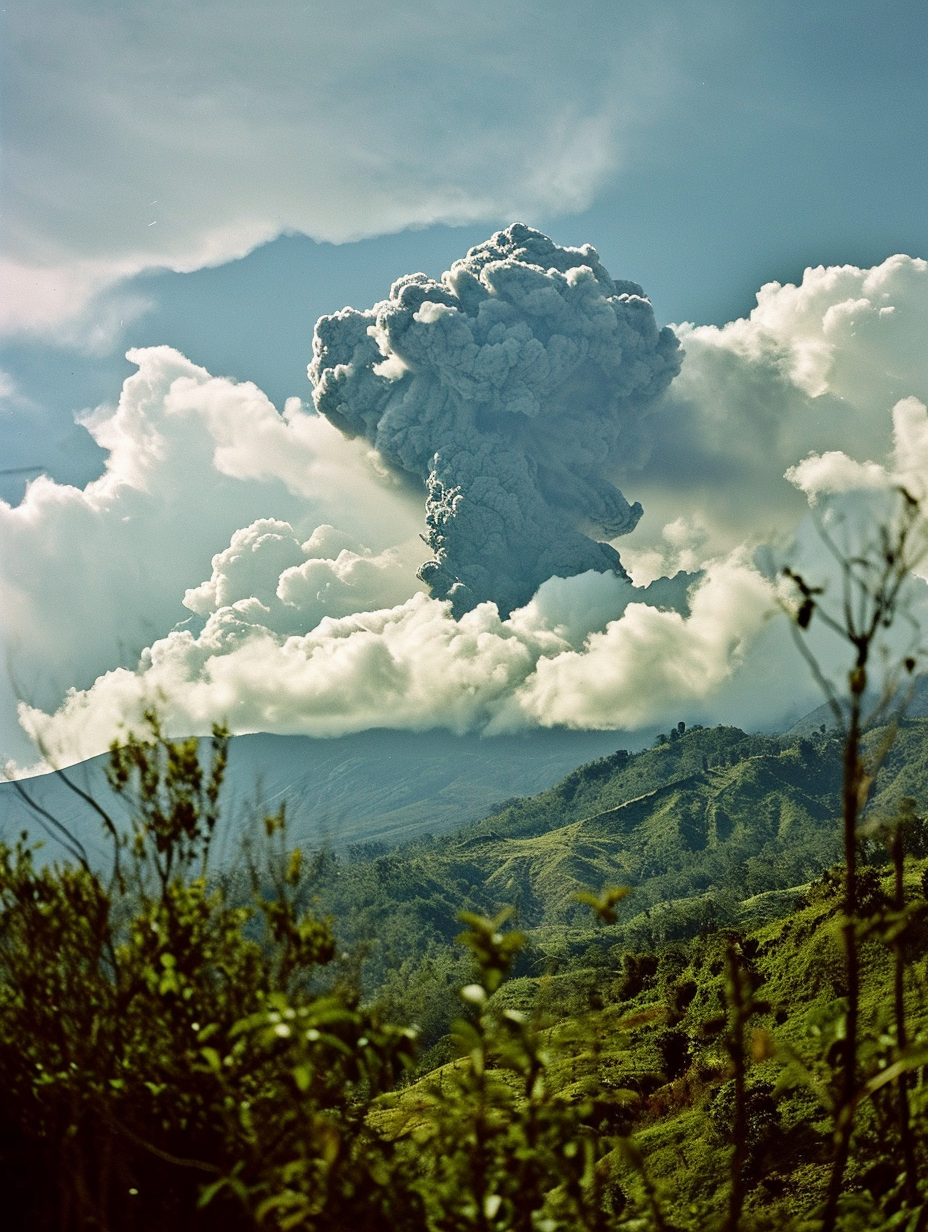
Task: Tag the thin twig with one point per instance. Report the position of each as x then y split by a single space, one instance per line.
78 851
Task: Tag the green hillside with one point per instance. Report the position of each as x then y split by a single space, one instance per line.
645 1035
712 829
724 839
309 1041
694 826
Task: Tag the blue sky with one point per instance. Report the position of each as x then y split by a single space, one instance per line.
176 175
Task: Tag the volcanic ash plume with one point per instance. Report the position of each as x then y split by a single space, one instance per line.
511 389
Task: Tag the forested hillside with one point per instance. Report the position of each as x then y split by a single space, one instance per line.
640 1028
711 827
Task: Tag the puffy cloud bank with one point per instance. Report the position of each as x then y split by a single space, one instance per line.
510 389
90 577
267 563
415 666
834 472
814 368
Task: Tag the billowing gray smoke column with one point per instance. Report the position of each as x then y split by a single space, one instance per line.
510 389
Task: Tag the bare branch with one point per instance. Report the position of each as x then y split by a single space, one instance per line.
59 830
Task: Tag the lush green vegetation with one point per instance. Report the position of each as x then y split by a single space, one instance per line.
300 1041
712 829
134 1014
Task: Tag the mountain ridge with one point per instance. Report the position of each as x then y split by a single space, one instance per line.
375 786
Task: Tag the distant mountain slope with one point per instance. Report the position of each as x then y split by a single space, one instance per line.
709 811
697 827
615 780
904 771
913 706
384 786
670 828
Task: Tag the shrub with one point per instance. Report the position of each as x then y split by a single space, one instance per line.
136 1009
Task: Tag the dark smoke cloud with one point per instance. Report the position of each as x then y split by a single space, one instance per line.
510 389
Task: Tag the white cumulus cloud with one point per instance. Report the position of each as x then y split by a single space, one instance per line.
651 663
832 472
814 369
90 577
266 569
415 666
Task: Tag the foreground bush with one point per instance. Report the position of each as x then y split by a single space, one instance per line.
131 1071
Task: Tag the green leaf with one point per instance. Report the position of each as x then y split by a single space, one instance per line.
212 1059
605 902
302 1076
